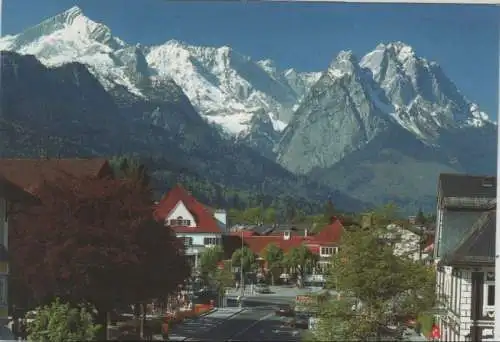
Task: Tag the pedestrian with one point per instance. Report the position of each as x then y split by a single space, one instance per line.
418 327
15 327
23 328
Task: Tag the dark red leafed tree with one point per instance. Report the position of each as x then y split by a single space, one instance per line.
95 241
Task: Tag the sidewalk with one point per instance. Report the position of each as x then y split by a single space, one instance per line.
201 324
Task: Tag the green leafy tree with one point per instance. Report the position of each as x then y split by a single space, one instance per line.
270 215
377 287
252 215
209 260
59 322
245 258
224 277
273 255
300 259
125 167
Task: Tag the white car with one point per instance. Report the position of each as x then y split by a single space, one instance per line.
262 288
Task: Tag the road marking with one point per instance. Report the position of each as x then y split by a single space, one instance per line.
250 327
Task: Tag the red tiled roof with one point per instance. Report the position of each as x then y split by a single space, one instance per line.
30 173
12 192
205 222
329 235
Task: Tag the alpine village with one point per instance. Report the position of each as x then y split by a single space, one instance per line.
153 193
88 232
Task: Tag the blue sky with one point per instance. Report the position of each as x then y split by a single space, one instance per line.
464 39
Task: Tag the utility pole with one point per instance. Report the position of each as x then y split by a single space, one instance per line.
242 280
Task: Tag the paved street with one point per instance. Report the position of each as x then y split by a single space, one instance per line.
251 324
202 325
255 322
266 327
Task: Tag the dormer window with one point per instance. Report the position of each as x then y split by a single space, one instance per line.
179 222
286 235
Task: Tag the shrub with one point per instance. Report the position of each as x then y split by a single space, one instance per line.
59 322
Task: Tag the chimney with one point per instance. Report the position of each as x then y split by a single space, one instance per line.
306 232
221 216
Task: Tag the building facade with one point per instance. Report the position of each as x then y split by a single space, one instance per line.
199 226
10 195
464 256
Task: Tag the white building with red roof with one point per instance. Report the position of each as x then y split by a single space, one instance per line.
199 226
325 243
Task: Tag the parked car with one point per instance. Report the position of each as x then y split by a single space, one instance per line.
262 288
285 310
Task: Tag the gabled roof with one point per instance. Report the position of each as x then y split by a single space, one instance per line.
12 192
478 246
205 221
467 186
28 174
329 235
258 243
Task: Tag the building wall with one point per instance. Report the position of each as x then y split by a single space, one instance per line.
4 266
180 210
198 239
455 291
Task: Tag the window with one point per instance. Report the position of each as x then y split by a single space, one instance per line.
180 222
211 241
188 241
3 290
491 295
328 250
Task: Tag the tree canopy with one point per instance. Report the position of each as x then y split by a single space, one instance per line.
300 259
209 259
377 287
274 257
95 241
244 257
59 322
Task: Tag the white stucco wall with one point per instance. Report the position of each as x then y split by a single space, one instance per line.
198 238
464 299
180 210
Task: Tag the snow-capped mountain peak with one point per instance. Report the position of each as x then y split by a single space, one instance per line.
345 63
71 24
424 98
234 91
226 87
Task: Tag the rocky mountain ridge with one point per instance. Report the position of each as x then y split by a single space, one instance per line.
363 125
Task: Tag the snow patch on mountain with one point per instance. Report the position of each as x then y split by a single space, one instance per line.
422 98
233 91
226 88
